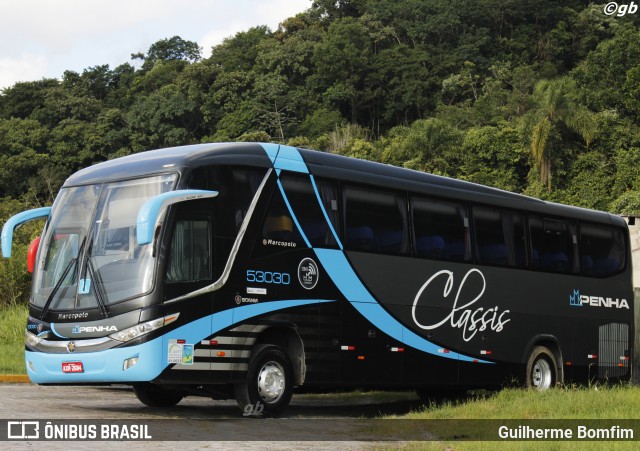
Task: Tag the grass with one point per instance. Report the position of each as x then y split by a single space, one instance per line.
580 403
614 402
13 320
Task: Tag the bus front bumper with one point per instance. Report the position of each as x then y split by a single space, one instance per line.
138 363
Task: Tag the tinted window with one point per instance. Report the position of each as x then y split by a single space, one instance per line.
278 231
500 237
441 229
328 192
602 250
552 245
189 258
236 186
375 221
304 203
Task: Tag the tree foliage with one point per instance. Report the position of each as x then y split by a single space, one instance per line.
540 97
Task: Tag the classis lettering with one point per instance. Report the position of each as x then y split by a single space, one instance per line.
462 315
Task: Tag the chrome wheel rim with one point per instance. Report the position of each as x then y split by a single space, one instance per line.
271 382
541 375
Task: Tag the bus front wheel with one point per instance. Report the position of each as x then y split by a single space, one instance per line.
541 370
268 387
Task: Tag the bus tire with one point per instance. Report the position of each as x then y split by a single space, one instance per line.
268 387
154 396
541 372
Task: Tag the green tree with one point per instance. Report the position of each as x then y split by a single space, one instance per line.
591 182
163 119
21 99
171 49
602 75
274 104
341 62
429 145
24 145
556 111
239 53
495 156
627 204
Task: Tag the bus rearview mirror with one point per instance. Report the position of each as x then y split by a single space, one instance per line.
153 210
17 220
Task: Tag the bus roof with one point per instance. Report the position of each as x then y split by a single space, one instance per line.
322 164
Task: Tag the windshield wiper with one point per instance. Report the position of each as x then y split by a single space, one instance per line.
57 286
97 286
87 267
62 278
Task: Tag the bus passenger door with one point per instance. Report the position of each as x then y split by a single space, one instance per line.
189 268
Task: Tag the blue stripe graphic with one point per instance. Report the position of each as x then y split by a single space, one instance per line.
272 150
341 272
290 159
343 275
324 211
53 329
293 216
106 365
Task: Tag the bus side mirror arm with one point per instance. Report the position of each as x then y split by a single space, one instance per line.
17 220
152 211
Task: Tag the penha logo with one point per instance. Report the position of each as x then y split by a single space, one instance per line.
77 329
578 300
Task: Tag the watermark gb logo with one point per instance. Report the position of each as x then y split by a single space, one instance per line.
612 8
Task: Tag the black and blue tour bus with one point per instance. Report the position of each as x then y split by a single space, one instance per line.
245 270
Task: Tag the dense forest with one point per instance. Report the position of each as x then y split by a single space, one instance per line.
539 97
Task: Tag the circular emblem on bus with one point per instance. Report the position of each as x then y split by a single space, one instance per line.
308 273
238 299
71 346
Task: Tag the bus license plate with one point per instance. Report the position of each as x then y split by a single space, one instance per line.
72 367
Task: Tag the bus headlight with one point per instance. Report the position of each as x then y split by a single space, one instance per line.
142 329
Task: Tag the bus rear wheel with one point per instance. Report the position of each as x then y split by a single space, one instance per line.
268 387
541 370
154 396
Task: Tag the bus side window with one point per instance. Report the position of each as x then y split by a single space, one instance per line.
328 192
304 203
500 237
189 257
441 229
278 230
553 245
236 186
601 250
375 221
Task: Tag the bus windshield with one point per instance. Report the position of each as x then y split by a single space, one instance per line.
89 256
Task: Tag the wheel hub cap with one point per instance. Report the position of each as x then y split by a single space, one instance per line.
541 375
271 382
